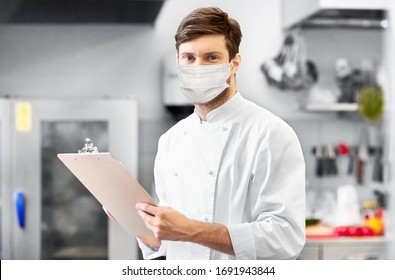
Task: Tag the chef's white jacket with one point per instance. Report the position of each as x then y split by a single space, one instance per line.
242 168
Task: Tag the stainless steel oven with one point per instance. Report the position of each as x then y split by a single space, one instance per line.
45 211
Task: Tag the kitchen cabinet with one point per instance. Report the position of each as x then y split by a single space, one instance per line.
345 249
311 251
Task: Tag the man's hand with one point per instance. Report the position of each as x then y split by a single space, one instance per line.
166 223
169 224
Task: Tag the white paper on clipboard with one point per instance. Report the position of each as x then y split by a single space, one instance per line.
113 186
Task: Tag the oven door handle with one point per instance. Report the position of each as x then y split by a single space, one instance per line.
19 200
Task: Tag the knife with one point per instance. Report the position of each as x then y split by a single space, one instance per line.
363 155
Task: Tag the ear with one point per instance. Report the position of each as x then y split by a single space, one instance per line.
236 61
177 60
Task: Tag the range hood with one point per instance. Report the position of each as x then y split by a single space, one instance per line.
335 13
80 11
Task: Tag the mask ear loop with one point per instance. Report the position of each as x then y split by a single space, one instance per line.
230 74
231 68
231 63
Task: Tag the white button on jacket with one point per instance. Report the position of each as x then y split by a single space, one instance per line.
242 168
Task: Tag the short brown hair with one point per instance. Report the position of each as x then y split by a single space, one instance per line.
210 21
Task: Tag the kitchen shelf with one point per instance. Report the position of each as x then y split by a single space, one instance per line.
332 107
335 13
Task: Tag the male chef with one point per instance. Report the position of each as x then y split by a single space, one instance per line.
231 176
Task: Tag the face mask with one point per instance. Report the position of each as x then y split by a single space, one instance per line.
201 84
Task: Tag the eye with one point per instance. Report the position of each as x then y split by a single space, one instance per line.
212 58
188 58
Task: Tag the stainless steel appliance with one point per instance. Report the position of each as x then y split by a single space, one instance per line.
46 213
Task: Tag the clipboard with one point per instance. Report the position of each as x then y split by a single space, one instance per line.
113 186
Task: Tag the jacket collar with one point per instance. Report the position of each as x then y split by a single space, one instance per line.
225 111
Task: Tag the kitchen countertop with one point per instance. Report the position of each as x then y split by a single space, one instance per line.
320 233
345 239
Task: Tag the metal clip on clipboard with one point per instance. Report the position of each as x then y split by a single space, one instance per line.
89 147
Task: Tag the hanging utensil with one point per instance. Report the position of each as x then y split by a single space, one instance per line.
295 70
273 68
378 168
363 155
290 70
333 170
351 157
319 159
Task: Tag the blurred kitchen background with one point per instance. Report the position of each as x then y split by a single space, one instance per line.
105 69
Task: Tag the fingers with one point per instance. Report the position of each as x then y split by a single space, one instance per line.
149 221
147 208
147 218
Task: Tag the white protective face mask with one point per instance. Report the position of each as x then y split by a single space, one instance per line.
201 84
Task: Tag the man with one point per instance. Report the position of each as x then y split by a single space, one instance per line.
231 176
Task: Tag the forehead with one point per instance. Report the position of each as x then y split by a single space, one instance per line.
205 44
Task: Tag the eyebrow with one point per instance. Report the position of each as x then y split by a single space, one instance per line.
209 53
214 53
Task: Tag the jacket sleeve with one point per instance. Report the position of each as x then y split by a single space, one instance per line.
159 174
276 200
